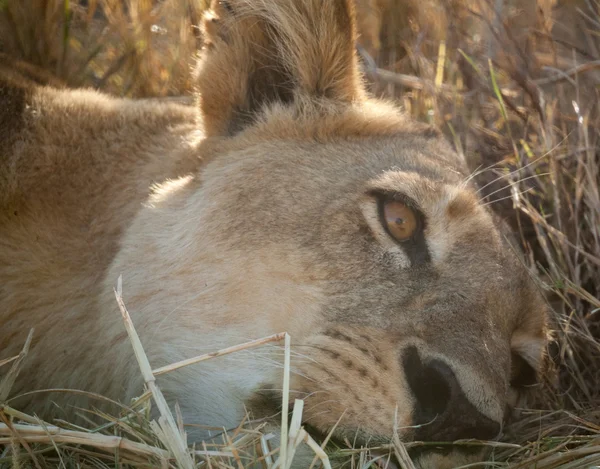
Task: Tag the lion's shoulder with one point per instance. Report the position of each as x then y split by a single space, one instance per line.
54 138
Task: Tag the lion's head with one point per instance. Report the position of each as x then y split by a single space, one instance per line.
327 214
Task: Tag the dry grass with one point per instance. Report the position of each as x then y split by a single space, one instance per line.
138 48
514 84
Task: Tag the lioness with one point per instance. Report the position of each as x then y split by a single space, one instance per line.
286 200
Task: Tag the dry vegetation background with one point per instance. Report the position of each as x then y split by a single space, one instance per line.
513 83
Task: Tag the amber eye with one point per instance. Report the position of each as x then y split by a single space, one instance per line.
400 220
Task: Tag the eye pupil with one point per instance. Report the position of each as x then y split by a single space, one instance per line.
401 221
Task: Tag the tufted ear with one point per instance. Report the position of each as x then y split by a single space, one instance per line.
261 52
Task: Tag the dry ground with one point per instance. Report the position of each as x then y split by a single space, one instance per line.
513 83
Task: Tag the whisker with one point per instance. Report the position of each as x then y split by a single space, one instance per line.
507 197
329 401
477 172
522 167
512 183
511 173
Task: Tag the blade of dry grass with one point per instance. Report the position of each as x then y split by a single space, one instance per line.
166 424
9 380
399 447
220 353
285 404
8 360
48 433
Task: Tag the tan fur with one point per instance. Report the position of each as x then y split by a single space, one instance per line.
257 216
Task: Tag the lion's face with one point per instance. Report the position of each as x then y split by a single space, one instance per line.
403 295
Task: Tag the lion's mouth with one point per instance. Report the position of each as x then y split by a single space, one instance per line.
266 405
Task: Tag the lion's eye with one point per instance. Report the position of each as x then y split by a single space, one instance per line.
400 220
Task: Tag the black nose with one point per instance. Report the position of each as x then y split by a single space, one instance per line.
442 411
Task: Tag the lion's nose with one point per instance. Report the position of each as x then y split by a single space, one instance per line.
442 411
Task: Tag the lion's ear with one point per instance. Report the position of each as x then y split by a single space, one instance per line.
260 52
528 349
527 360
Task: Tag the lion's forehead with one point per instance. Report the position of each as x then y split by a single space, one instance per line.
308 184
303 176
